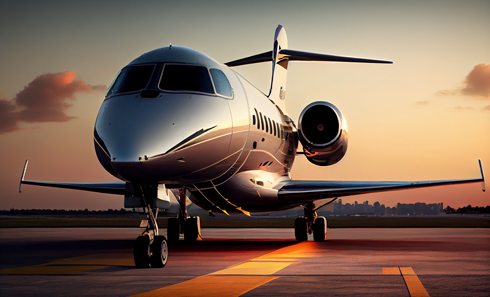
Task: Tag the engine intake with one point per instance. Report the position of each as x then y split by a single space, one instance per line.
323 133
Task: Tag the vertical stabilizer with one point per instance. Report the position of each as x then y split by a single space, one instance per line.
277 92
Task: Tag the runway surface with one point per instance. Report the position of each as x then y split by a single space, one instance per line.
248 262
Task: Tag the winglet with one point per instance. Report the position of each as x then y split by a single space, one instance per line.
482 177
23 174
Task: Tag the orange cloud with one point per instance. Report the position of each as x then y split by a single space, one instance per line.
45 99
477 83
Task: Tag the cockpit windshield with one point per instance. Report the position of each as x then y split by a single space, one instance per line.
186 78
131 79
221 83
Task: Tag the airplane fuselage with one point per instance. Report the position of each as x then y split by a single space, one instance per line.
175 118
229 148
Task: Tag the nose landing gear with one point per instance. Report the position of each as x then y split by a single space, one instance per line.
150 248
310 223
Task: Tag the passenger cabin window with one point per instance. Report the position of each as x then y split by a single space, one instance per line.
258 121
221 83
130 79
186 78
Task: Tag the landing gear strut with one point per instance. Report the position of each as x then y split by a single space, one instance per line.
310 223
184 224
150 249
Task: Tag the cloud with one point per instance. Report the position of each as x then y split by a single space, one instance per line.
477 83
45 99
486 108
8 116
447 92
422 102
463 108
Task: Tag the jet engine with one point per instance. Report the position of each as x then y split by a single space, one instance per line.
323 133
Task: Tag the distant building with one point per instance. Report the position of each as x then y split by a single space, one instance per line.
378 209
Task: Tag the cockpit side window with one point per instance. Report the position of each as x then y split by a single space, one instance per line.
221 83
132 79
186 78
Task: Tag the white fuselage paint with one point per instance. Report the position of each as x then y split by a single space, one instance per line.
247 147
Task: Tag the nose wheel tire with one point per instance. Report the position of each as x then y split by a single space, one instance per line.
301 229
192 229
173 229
142 251
320 229
159 250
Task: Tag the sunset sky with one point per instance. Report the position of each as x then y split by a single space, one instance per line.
426 117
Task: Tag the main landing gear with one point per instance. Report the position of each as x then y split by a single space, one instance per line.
150 248
184 224
310 223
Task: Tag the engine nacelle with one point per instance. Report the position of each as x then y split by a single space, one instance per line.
323 133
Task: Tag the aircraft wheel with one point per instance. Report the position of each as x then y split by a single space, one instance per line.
320 229
192 229
142 251
159 249
300 229
173 229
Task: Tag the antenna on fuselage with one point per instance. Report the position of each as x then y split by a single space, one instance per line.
170 46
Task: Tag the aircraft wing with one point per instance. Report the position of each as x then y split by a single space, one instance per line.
108 188
305 191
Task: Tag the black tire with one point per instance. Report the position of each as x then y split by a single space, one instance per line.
159 253
173 229
192 229
300 229
320 229
142 251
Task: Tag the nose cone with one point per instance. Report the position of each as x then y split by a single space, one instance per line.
159 139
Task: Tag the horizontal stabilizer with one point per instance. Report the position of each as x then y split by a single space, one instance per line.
263 57
306 56
293 55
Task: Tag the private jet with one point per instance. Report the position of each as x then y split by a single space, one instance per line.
176 125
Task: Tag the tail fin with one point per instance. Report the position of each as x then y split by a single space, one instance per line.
277 92
280 57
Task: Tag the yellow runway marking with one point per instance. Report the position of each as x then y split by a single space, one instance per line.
211 285
276 260
407 271
254 268
237 280
414 286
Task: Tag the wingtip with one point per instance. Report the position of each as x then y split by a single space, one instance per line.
23 175
482 176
